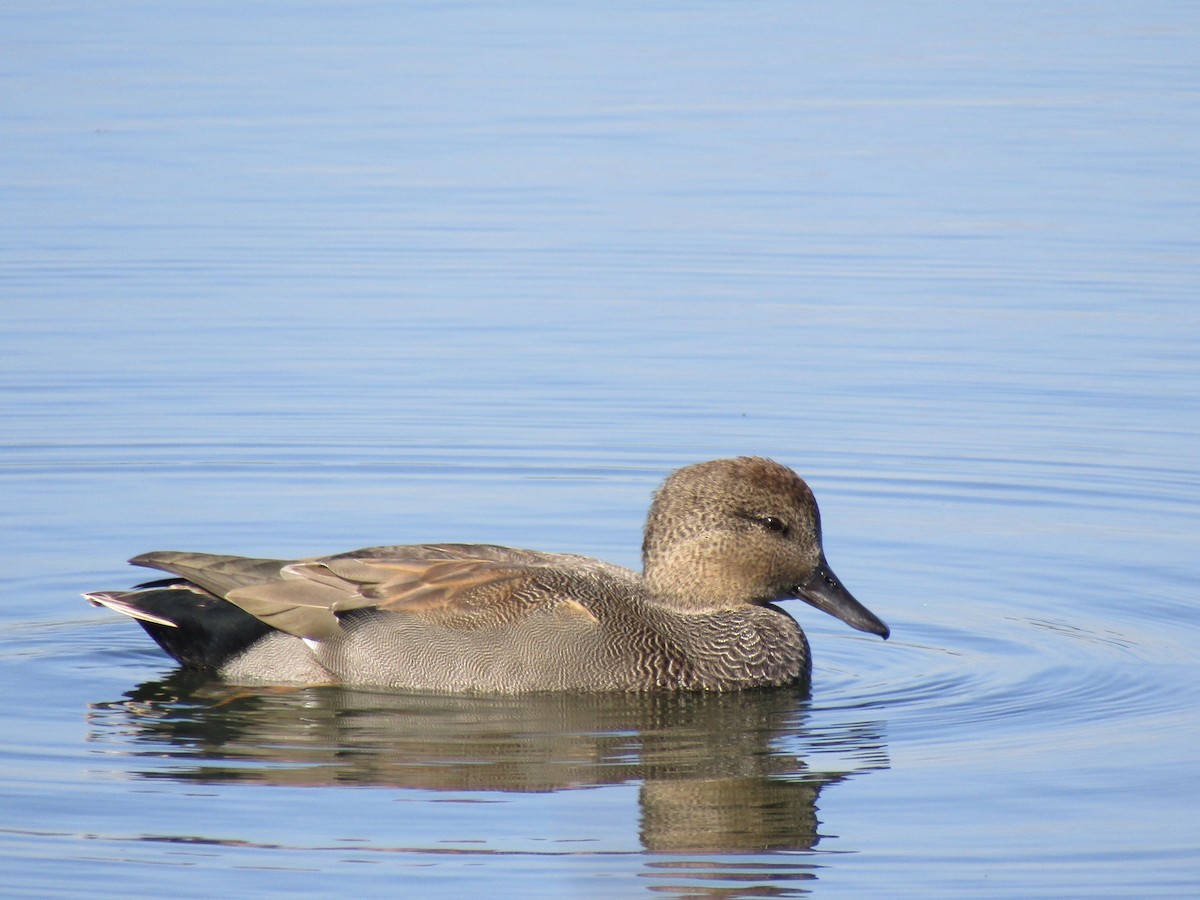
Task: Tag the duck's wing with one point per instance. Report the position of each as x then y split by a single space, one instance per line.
311 597
210 571
457 586
470 552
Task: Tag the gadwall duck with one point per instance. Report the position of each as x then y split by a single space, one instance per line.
723 541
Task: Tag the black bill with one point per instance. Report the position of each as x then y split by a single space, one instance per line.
826 593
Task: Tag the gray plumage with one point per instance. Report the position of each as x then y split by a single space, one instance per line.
723 541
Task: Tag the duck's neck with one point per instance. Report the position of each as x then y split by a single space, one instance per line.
695 585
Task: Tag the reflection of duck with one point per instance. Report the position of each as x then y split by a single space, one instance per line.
723 540
716 771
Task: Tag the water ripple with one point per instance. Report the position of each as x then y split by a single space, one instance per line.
1029 676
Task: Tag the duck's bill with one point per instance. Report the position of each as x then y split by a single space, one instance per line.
826 593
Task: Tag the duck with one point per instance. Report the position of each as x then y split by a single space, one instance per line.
724 542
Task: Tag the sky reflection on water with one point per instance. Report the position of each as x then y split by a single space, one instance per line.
281 282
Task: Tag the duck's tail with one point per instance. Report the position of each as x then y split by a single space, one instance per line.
200 630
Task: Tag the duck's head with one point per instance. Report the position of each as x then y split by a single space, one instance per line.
742 531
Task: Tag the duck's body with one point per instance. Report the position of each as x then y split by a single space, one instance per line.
723 540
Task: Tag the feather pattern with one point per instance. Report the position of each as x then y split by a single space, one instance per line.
723 541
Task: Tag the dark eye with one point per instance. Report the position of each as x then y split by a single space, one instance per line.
774 523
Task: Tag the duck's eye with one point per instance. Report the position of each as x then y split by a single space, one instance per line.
774 523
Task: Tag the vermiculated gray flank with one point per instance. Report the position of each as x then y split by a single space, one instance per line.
723 540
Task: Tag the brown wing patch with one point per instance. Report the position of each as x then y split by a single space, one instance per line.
456 593
450 592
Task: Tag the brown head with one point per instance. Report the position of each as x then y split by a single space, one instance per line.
732 532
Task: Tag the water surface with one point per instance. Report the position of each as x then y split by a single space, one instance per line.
284 281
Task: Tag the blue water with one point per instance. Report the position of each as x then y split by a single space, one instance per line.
290 279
